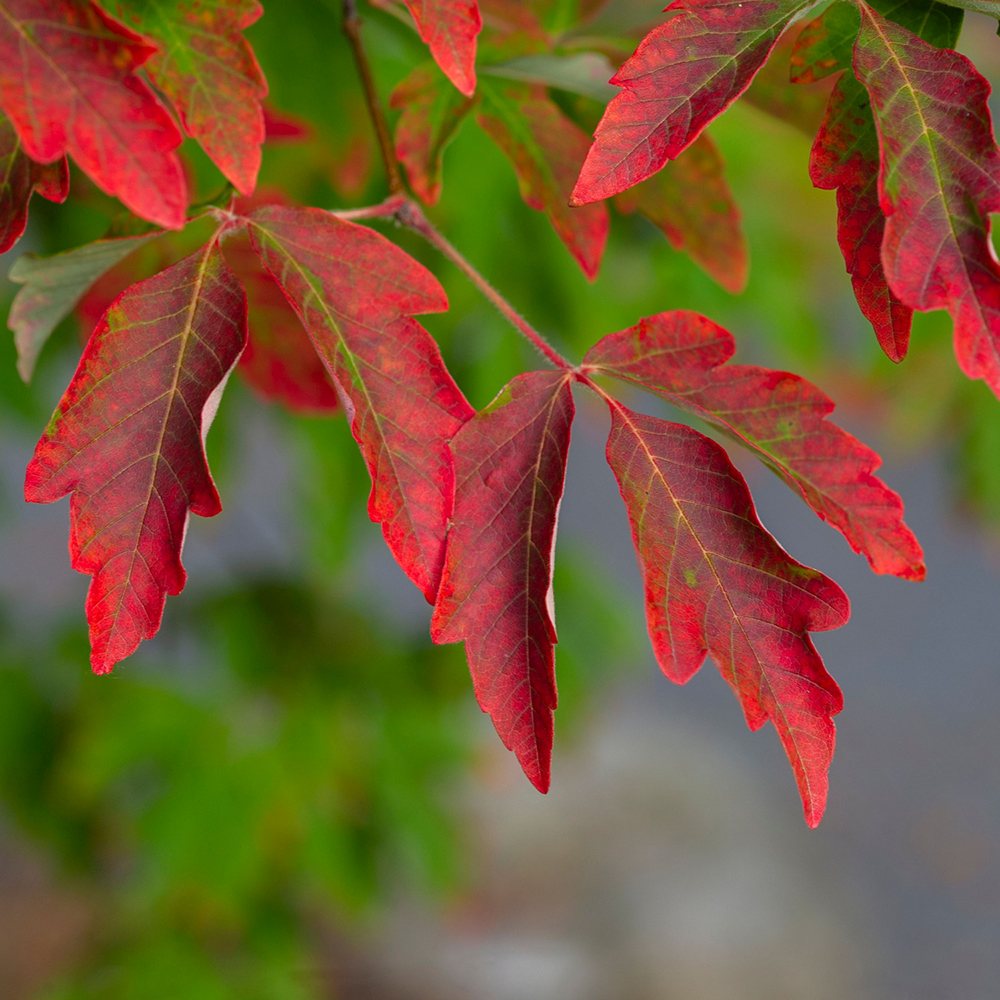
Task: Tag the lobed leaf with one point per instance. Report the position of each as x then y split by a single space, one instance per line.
691 202
545 148
210 74
354 293
683 357
450 29
496 588
127 442
68 83
20 178
939 180
716 582
684 74
52 287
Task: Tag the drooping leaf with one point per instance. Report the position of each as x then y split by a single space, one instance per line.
127 442
209 72
989 7
683 357
496 589
546 149
716 582
20 178
280 361
450 29
52 287
845 157
691 202
430 113
939 180
354 293
684 74
68 83
584 73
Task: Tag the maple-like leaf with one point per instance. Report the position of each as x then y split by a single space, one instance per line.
496 589
280 361
450 29
716 582
20 178
354 293
546 149
939 180
683 357
430 113
52 288
127 442
68 83
684 74
691 202
209 72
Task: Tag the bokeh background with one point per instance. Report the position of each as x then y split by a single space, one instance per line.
290 793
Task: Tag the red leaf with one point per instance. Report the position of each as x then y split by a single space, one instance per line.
450 28
68 84
354 291
127 442
21 177
682 357
209 72
496 589
845 157
280 361
684 74
940 179
718 583
546 149
691 202
430 113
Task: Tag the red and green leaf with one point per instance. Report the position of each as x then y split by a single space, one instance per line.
496 589
209 72
52 288
430 113
683 75
939 181
691 202
127 442
716 582
20 178
682 357
68 83
354 293
450 29
546 149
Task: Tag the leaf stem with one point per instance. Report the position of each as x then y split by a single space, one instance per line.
352 29
409 214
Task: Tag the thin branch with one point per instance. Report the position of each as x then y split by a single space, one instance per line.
388 209
410 215
352 29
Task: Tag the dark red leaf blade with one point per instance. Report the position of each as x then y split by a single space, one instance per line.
68 83
939 180
127 442
354 293
546 148
683 75
210 74
450 29
691 202
20 178
496 589
717 583
845 157
430 114
279 362
682 357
